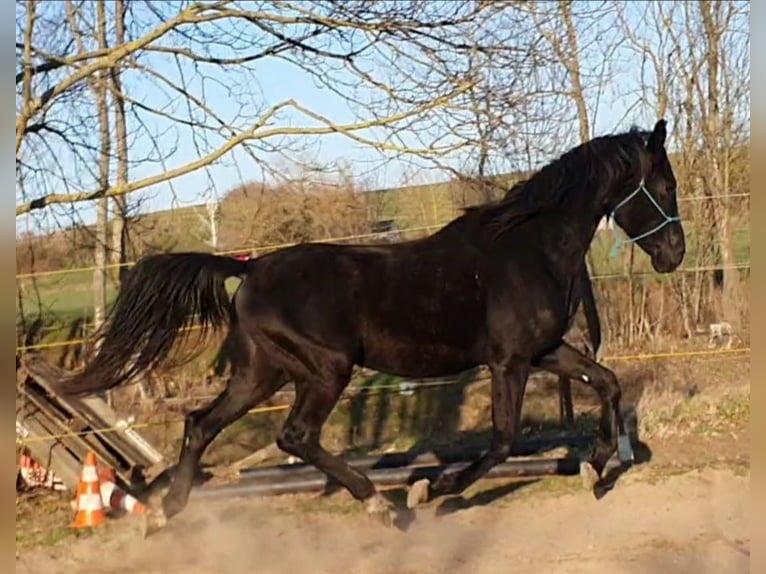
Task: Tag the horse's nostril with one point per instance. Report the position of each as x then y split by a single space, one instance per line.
676 240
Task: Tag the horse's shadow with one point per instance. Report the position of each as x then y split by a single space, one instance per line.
430 412
547 436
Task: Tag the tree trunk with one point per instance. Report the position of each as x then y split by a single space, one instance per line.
119 223
572 64
718 159
102 214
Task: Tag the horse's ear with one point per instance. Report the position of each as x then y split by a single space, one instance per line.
657 139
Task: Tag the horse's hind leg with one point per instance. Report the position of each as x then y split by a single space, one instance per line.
569 362
509 379
566 408
314 401
255 380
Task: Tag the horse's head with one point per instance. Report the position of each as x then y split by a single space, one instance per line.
647 209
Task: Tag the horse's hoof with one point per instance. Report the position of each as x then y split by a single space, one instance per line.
385 517
418 493
381 509
588 475
154 521
624 449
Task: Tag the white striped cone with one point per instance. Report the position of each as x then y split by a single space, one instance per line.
90 507
115 498
34 474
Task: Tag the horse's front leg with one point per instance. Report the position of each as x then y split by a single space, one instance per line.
568 362
509 379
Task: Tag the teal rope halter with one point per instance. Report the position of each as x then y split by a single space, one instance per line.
619 241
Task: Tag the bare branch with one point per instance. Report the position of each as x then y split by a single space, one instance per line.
256 132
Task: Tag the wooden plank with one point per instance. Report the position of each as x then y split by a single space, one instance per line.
136 451
104 450
257 457
124 450
80 445
134 445
133 456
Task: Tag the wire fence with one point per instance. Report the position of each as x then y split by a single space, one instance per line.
273 247
597 277
84 326
397 388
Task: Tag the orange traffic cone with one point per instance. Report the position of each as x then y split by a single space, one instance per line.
90 507
114 497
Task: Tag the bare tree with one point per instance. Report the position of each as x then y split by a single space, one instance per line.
537 67
695 64
189 49
720 123
98 84
478 89
120 204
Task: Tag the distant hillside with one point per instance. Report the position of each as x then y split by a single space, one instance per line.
253 216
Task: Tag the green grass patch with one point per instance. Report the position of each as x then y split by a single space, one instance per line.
43 518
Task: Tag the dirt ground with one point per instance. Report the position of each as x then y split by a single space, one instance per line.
684 510
696 521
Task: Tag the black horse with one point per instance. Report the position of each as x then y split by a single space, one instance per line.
492 287
582 292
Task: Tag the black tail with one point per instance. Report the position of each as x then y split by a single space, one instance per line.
161 296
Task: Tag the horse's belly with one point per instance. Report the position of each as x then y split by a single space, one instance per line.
420 368
418 359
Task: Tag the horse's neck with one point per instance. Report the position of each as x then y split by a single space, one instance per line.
579 219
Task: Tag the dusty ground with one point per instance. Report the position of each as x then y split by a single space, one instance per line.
695 522
686 510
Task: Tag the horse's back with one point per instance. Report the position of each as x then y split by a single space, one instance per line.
406 305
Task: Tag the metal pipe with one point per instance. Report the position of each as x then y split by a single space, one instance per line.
304 482
403 459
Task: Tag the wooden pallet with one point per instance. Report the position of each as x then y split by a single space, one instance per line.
44 413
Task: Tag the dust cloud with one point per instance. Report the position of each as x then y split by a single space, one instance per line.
696 523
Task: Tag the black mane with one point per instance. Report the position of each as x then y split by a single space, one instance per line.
577 172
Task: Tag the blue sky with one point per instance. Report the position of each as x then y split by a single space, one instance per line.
620 105
279 81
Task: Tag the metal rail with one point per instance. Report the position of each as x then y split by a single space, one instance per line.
308 482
